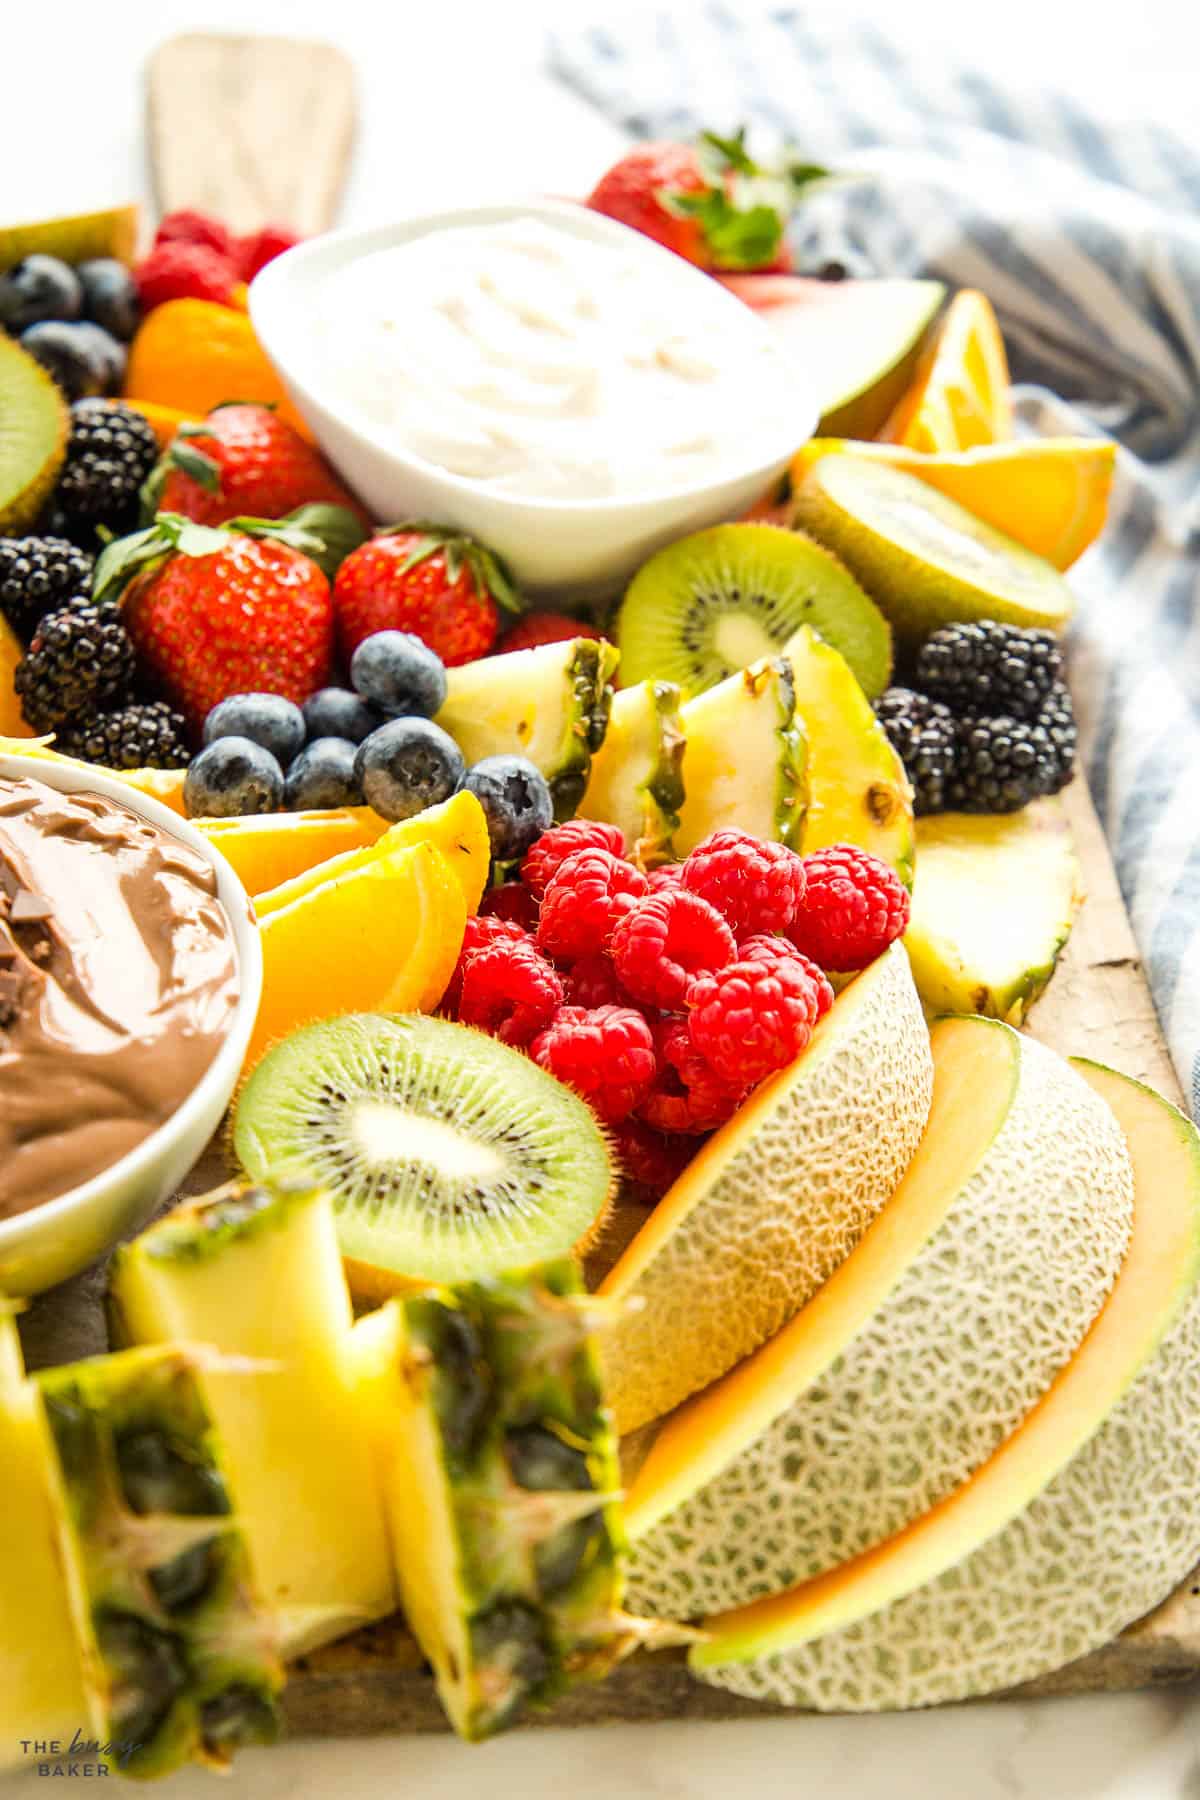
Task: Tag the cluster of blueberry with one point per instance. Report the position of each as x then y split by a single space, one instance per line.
374 743
75 321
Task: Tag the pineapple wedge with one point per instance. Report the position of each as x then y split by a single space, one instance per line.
256 1272
636 779
500 1466
42 1697
179 1657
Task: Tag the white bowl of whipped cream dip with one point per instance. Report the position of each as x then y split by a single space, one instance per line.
130 976
547 380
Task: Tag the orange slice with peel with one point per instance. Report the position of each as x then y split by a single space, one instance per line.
960 397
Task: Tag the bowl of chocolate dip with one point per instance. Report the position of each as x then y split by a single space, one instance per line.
130 974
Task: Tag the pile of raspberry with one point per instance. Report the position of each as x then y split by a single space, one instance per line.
665 998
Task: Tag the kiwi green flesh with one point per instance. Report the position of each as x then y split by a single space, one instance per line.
708 605
921 555
33 434
448 1156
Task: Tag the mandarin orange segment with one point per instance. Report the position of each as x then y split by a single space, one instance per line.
270 849
383 938
193 354
12 719
960 398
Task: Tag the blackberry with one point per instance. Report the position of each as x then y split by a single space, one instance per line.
37 575
1058 718
922 733
81 658
110 452
147 735
1001 764
987 667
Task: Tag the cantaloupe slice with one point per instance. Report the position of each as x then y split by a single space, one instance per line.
920 1355
775 1200
1080 1522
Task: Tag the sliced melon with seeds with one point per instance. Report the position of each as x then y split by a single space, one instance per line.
636 780
549 705
919 1356
33 437
1079 1523
745 758
993 906
255 1271
710 603
923 558
775 1201
858 792
448 1156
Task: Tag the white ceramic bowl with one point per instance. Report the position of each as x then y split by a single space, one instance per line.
575 549
44 1246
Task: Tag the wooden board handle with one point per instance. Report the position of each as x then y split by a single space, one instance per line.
253 129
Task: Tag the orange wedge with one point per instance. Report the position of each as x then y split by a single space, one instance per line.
1050 494
267 849
960 397
12 719
165 785
190 355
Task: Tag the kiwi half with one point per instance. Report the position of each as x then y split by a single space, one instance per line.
710 604
923 557
448 1156
73 237
33 437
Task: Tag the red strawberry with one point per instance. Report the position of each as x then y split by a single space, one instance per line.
261 247
546 628
244 461
182 271
188 225
214 613
426 579
709 202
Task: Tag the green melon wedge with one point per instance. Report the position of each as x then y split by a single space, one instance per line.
993 905
920 1355
1081 1522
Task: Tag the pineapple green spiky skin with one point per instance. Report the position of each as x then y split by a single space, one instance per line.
179 1657
503 1489
255 1271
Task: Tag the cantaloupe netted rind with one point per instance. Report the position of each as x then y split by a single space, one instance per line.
923 558
1078 1525
919 1356
775 1201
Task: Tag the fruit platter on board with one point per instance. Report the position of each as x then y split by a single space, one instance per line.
560 729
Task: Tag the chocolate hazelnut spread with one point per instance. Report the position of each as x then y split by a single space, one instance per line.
118 982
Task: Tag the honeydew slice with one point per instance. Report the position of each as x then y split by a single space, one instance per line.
920 1355
1083 1520
775 1201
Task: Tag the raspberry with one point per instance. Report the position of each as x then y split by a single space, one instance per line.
686 1096
606 1053
666 878
592 981
513 901
181 271
261 247
664 942
854 906
480 932
755 885
648 1160
188 225
510 990
770 949
584 898
753 1017
543 859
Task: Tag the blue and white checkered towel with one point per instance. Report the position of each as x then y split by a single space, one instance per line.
1088 242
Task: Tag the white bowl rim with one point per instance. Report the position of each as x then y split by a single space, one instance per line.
68 778
269 291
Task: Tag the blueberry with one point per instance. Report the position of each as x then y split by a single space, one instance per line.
107 351
323 775
407 765
266 719
336 712
515 800
399 674
109 296
71 354
39 287
230 778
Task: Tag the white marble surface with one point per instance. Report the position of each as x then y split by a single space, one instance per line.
454 106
